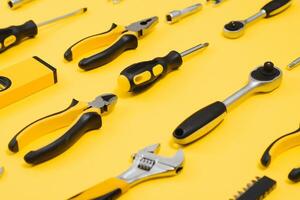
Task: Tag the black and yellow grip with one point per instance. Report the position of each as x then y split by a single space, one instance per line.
126 42
200 123
279 146
14 35
275 7
46 125
142 75
88 121
110 189
93 42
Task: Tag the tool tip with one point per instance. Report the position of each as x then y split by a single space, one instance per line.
84 10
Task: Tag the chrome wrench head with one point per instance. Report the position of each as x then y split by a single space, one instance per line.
148 165
266 78
263 79
234 29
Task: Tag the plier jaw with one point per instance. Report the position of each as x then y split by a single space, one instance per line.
143 27
105 103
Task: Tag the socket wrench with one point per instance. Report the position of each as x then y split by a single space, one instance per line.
263 79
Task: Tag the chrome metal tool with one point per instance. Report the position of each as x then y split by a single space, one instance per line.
1 170
263 79
236 29
176 15
13 4
294 64
146 165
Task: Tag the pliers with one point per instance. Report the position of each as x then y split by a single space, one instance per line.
126 38
83 117
279 146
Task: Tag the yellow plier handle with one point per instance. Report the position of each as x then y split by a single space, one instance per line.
46 125
93 42
110 189
125 40
88 119
279 146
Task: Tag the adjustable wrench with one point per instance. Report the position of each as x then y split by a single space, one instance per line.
263 79
146 165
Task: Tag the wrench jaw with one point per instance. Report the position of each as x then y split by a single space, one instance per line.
147 165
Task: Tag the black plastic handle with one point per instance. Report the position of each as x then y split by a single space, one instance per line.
87 122
294 175
14 35
275 7
170 62
126 42
200 123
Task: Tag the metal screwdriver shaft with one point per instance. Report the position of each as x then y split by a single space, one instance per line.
193 49
294 64
79 11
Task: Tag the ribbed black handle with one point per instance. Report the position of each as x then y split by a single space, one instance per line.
156 68
126 42
275 7
13 35
200 123
87 122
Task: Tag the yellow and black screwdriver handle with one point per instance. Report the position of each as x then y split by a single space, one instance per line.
13 35
141 75
110 189
279 146
125 40
83 118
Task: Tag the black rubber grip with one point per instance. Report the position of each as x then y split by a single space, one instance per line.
294 175
68 55
110 196
87 122
199 120
272 7
126 42
13 145
170 62
19 33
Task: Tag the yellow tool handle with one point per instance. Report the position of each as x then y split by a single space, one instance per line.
108 190
279 146
46 125
93 42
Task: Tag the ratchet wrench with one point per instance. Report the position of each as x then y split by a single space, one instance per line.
263 79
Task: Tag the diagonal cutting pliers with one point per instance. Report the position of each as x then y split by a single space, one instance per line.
82 117
120 38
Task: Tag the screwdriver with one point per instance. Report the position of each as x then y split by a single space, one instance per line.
141 75
14 35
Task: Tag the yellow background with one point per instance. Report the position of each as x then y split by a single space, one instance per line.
218 165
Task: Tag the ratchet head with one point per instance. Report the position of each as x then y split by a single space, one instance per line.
148 165
265 78
234 29
105 102
144 26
